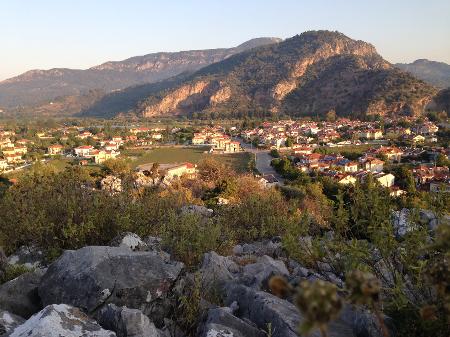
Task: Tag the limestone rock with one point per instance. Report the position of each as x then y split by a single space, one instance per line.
20 296
60 320
92 276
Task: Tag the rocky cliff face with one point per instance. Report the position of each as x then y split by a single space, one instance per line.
308 74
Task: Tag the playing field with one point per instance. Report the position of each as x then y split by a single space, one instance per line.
169 155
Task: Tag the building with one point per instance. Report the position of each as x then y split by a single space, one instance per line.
100 156
55 149
372 164
268 180
83 151
13 158
177 171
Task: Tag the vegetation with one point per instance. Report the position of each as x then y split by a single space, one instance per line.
319 221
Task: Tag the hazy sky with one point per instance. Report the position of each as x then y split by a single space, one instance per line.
81 33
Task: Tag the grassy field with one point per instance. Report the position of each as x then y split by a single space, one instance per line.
169 155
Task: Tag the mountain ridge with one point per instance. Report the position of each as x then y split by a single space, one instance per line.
308 74
433 72
39 86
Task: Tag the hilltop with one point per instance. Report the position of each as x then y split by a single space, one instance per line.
308 74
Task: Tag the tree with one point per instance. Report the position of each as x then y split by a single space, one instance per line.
331 115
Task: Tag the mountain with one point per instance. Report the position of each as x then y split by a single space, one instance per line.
435 73
37 87
308 74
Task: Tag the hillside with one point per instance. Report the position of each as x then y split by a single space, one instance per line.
308 74
435 73
40 86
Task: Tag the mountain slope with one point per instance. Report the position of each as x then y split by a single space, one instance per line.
435 73
308 74
40 86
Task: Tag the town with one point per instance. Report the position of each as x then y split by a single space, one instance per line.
343 149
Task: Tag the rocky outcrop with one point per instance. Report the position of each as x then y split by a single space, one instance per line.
20 295
126 322
60 320
220 96
171 102
93 276
263 308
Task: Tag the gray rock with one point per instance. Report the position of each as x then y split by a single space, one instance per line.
30 257
256 274
221 323
8 322
126 322
363 322
92 276
217 270
196 209
272 248
20 296
129 240
263 308
60 320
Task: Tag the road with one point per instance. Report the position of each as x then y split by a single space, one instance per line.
263 159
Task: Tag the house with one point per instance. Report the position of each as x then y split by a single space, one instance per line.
385 180
100 156
372 164
20 149
111 146
83 151
177 171
55 149
5 143
13 158
268 180
231 147
390 152
157 136
370 134
84 135
345 179
347 165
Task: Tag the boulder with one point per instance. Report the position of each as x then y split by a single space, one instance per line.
8 322
272 248
363 322
60 320
263 308
129 240
217 270
126 322
196 209
257 274
30 257
20 295
111 184
220 322
93 276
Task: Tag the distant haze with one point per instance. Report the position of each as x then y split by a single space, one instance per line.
80 34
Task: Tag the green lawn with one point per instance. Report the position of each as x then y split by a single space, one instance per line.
168 155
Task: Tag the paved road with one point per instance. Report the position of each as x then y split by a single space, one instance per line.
263 159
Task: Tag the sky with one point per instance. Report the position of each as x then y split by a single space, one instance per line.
44 34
